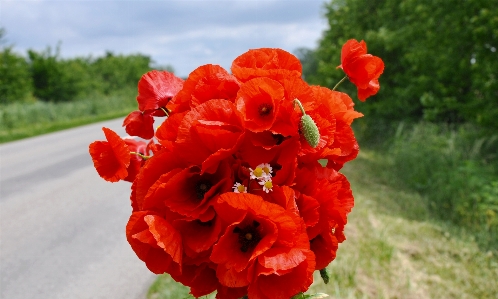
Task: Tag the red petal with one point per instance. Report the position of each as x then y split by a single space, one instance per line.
144 241
372 89
139 124
205 83
258 100
156 88
210 133
110 158
352 49
166 236
266 62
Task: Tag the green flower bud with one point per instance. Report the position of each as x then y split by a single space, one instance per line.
310 130
308 127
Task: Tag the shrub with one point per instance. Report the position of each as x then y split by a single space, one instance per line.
15 77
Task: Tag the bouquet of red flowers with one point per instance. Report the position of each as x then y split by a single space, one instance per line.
238 190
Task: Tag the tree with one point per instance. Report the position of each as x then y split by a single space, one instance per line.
53 79
15 78
440 56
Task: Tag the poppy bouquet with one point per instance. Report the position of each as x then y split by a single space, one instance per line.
238 191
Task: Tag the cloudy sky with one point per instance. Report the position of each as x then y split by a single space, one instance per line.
183 34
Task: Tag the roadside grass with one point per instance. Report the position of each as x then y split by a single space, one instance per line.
394 249
22 120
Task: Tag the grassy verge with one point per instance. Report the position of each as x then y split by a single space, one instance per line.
454 169
21 120
394 249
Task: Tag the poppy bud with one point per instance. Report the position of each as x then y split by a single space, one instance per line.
310 130
308 127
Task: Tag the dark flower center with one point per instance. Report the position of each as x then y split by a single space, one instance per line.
278 138
249 236
208 223
264 109
202 187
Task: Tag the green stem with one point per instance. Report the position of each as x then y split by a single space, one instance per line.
140 155
339 83
296 101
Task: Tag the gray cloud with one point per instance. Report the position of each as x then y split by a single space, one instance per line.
184 34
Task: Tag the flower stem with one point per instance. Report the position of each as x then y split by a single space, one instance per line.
165 111
339 83
296 101
140 155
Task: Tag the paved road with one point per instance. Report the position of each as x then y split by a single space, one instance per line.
62 228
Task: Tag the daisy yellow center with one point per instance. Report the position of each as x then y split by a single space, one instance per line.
241 188
268 185
266 170
258 172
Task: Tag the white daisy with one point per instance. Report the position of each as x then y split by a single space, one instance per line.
262 171
239 188
267 184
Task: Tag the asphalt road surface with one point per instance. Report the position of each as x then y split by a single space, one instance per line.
62 228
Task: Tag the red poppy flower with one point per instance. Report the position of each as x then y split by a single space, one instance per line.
205 83
325 246
160 164
284 272
266 62
255 226
361 68
140 124
190 193
136 162
155 242
264 241
198 236
209 133
156 89
111 158
332 192
167 132
258 100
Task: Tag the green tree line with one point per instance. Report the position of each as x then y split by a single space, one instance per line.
441 58
45 76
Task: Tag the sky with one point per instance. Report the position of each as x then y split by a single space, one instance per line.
183 34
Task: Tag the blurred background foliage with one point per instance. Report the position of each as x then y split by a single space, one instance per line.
434 121
41 92
440 55
45 76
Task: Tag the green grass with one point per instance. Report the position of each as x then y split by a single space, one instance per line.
394 249
454 169
22 120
